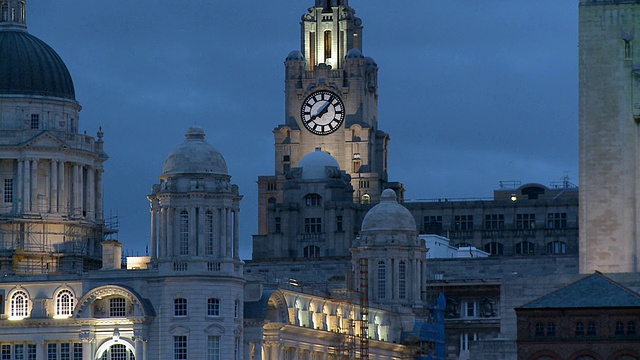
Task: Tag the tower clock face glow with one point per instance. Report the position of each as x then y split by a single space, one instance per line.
322 112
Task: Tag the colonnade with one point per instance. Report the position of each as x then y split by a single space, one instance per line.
57 186
210 231
415 275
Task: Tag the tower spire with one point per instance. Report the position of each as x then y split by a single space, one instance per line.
13 14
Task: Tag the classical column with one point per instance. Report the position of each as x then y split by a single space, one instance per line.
40 350
98 195
53 193
90 192
228 253
171 234
27 186
162 227
193 233
154 234
20 186
63 198
201 236
236 234
87 339
34 185
223 232
74 189
140 344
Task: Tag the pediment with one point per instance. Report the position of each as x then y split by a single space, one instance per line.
45 140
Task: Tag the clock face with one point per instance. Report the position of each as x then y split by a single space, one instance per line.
322 112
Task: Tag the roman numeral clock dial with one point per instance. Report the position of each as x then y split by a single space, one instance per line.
322 112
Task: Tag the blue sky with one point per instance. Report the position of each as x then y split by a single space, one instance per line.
471 92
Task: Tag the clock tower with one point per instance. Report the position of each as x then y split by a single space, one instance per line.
331 103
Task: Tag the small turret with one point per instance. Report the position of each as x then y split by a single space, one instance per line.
13 14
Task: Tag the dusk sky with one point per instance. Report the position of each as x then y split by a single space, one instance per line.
471 92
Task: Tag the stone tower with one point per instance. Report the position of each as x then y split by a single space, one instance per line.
609 105
51 217
331 103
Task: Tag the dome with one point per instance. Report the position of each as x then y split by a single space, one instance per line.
295 55
313 165
388 215
31 67
371 61
195 156
354 54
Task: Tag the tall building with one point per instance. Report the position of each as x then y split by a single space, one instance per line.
51 216
331 103
609 143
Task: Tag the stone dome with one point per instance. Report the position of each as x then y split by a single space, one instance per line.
194 156
295 55
371 62
314 164
31 67
354 54
388 215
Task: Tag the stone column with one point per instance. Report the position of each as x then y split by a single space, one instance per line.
53 179
34 185
63 196
98 195
154 234
236 234
229 252
223 232
162 228
40 350
193 232
74 189
87 339
201 236
171 234
20 181
90 193
27 186
140 344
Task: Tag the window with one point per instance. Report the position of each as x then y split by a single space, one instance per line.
402 280
65 351
278 223
432 224
184 233
5 352
52 351
365 199
18 351
8 190
463 222
31 352
494 248
556 220
180 347
236 349
556 247
465 339
64 303
470 309
236 308
208 226
364 184
19 305
271 186
313 200
213 347
631 328
539 329
117 307
118 352
525 221
339 223
35 121
213 307
494 222
619 328
327 45
591 329
382 280
551 329
312 225
525 247
579 329
356 166
5 12
77 351
180 307
311 251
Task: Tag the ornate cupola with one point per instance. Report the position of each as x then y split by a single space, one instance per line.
195 210
13 14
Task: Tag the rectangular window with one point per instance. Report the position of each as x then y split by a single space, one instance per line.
312 50
213 307
465 339
208 225
364 184
463 222
271 186
327 45
213 347
312 225
494 222
278 227
117 307
184 233
180 347
77 351
432 224
236 309
402 280
35 121
469 309
5 352
382 280
180 307
557 220
65 351
339 223
18 352
31 352
52 351
236 352
8 190
525 221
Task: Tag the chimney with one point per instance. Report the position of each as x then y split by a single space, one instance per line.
111 255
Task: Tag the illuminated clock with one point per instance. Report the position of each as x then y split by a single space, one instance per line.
322 112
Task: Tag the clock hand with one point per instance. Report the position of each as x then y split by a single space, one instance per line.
323 109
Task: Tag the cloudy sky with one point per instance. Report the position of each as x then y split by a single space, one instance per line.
471 92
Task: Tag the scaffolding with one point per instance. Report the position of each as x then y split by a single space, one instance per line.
363 304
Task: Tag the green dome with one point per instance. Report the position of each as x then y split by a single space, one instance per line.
28 66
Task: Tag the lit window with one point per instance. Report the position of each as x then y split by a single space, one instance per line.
117 307
184 233
402 280
35 121
366 199
556 247
213 307
19 305
208 225
8 190
64 303
213 347
382 280
180 307
180 347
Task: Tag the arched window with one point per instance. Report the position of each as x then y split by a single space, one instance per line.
402 280
525 247
591 329
64 303
556 247
579 329
208 226
213 307
619 328
180 307
494 248
631 328
327 45
366 199
382 280
313 200
19 306
311 251
117 352
236 309
184 233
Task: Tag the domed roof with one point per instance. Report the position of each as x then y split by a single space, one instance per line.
388 215
354 54
195 156
371 61
313 165
31 67
295 55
